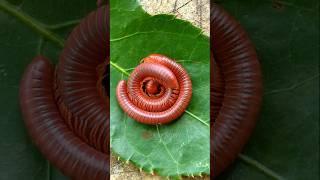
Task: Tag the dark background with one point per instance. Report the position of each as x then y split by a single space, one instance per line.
19 43
286 139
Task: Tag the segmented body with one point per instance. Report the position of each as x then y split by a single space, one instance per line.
236 89
66 110
158 91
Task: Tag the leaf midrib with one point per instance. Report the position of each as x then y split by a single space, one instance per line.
39 27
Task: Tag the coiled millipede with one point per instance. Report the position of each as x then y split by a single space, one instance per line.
158 91
236 89
66 110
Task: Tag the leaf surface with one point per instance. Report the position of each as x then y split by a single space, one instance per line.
285 144
182 147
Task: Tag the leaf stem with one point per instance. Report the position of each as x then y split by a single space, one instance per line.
196 117
63 25
260 167
40 46
34 24
119 68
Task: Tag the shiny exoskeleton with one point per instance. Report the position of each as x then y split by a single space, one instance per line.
236 89
158 91
66 110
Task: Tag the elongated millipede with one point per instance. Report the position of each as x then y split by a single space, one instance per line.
158 91
236 89
66 110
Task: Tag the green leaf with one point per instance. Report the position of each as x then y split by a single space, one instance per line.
182 147
28 28
285 143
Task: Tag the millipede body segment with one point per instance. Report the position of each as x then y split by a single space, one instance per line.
66 109
157 92
236 89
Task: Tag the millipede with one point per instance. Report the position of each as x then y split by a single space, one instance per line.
158 91
66 108
236 89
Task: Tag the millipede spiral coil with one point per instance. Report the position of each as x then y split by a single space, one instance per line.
158 91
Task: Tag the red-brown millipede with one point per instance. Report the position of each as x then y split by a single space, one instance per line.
236 89
82 107
158 91
66 110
